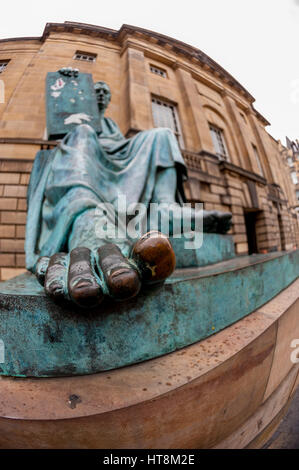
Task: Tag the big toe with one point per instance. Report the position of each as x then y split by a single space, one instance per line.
154 256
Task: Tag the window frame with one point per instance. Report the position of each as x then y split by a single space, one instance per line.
243 117
175 115
219 140
90 56
156 70
258 159
294 177
3 64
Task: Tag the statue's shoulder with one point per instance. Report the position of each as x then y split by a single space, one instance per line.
110 122
111 126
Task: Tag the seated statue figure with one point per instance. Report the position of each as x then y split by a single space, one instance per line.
88 168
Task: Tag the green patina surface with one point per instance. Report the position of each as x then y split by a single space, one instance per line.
71 101
96 164
216 248
45 339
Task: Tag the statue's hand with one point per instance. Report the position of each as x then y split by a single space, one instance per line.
69 72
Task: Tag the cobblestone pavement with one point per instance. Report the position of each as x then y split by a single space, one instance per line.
287 434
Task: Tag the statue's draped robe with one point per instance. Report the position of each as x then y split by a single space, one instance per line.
87 169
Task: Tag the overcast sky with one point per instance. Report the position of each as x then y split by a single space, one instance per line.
255 40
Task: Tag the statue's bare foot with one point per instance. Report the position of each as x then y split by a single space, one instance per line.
85 277
217 222
173 219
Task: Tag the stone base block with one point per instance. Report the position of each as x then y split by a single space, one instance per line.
208 395
214 248
43 339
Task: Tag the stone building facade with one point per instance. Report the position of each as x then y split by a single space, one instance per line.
234 164
291 156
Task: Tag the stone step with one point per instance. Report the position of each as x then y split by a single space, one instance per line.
43 339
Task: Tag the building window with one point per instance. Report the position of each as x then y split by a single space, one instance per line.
297 194
258 161
219 142
243 117
294 177
158 71
87 56
3 65
166 115
290 161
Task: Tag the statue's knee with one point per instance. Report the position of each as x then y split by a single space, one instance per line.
84 130
163 132
157 132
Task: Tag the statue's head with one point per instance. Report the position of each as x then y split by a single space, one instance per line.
103 94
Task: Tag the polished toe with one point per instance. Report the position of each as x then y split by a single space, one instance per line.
123 283
83 286
121 278
154 256
55 277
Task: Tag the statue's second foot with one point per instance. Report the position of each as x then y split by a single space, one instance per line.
174 219
216 221
85 277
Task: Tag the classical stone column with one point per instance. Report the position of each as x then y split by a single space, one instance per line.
196 118
261 146
136 94
239 131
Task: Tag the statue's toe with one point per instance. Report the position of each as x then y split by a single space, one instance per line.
84 277
154 257
41 269
121 278
55 277
83 286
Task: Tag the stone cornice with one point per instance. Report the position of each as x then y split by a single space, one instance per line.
196 56
21 39
128 44
210 155
23 140
176 46
260 117
223 165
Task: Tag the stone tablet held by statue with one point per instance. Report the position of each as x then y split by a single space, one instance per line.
70 100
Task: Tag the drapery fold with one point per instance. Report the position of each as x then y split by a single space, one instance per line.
87 169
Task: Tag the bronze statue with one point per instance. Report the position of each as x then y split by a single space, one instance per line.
90 168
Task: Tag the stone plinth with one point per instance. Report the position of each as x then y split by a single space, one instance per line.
226 391
44 339
215 248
